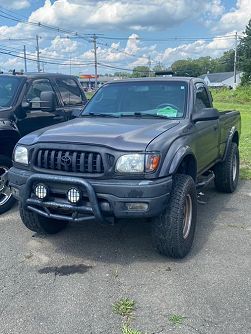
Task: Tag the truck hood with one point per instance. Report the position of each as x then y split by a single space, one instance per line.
129 134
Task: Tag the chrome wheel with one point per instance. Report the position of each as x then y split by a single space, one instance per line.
234 167
188 209
5 193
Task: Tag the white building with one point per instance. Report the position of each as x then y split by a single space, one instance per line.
223 79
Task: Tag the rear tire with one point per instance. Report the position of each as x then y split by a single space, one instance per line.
227 172
6 198
40 224
173 231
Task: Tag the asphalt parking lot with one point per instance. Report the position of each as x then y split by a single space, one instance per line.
67 283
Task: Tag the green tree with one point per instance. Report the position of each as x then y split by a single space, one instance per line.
245 54
122 74
140 71
186 68
159 67
225 63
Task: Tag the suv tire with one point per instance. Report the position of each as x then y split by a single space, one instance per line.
173 231
6 198
227 172
39 224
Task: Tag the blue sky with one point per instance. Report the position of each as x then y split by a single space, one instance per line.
132 31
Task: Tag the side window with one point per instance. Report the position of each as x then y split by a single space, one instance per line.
202 99
69 91
35 90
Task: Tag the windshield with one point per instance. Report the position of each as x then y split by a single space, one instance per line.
8 88
151 99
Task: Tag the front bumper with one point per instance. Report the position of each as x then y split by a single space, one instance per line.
100 199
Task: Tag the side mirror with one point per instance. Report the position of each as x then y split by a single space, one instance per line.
48 101
206 114
26 105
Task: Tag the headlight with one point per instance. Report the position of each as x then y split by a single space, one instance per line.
137 163
21 155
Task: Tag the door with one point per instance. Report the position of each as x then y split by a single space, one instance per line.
206 132
36 117
73 97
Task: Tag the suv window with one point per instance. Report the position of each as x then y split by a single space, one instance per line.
69 91
8 89
202 99
35 90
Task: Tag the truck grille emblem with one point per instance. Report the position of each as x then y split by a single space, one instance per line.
65 160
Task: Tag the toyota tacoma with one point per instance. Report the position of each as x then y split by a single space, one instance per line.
139 149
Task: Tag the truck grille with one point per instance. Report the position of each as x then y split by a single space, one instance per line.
69 161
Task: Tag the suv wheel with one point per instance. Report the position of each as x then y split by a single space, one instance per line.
227 172
173 231
40 224
6 198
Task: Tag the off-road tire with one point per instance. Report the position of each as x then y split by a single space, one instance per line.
227 172
6 162
168 228
40 224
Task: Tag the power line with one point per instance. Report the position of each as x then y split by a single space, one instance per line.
46 62
179 38
4 47
15 18
124 52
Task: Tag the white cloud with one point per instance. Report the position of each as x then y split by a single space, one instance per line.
137 15
14 4
196 49
60 45
236 19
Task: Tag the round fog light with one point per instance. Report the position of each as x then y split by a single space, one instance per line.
41 191
73 195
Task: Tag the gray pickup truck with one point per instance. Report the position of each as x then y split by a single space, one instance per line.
139 149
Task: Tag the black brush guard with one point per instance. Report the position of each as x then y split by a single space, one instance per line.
42 207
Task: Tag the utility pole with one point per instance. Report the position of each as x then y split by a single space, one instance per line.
38 60
235 58
95 60
70 63
25 60
149 66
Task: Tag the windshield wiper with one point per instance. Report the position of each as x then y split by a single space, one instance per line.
92 114
140 114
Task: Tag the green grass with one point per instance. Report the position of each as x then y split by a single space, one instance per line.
241 95
240 100
128 330
124 307
176 319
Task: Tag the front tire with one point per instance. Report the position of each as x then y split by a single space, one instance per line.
6 198
227 172
40 224
173 231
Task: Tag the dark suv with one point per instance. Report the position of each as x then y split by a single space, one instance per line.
30 102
